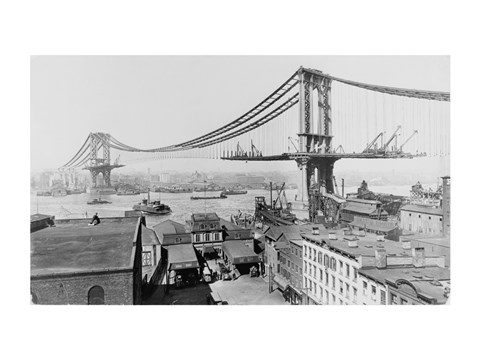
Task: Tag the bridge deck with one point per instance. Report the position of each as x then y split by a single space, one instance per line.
337 156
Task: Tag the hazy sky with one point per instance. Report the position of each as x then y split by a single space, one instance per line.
153 101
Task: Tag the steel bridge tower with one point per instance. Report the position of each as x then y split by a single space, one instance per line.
100 165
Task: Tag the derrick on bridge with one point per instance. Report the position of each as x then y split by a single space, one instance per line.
314 119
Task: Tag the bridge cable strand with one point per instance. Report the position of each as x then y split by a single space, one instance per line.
77 154
264 120
419 94
286 87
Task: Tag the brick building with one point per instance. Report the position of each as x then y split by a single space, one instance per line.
74 263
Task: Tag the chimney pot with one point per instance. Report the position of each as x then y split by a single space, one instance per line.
315 230
418 257
380 258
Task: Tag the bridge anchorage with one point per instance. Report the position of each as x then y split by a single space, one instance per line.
297 122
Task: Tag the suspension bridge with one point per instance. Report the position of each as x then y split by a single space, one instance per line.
314 119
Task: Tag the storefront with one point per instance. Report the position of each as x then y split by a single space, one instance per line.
241 256
183 265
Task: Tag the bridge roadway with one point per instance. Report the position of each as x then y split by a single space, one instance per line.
332 156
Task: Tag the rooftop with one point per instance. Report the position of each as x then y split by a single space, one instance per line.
229 225
182 254
169 227
38 217
205 217
373 224
360 208
74 246
366 245
363 201
149 237
422 209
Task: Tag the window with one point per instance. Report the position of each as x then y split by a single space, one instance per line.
305 252
393 299
178 240
237 236
340 285
310 253
315 289
197 237
310 269
320 292
296 252
306 284
320 258
314 272
333 283
419 216
410 214
364 288
341 302
340 266
347 269
96 296
354 294
326 297
326 260
355 274
305 265
207 236
382 297
202 226
429 218
217 236
212 226
333 299
278 268
347 291
326 279
321 274
403 301
146 258
374 292
154 254
310 283
296 268
288 264
314 254
333 264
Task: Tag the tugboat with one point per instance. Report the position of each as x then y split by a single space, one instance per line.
154 208
98 202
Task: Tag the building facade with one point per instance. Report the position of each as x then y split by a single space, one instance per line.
421 219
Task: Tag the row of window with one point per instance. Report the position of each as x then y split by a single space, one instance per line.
205 226
330 298
429 218
207 237
330 263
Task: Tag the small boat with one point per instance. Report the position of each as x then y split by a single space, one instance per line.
152 207
234 192
222 196
98 201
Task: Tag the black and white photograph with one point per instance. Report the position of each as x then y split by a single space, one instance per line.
240 180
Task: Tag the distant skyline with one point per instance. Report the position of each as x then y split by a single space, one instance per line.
153 101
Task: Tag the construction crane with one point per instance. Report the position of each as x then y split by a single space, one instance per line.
255 151
409 138
384 148
367 149
240 151
290 138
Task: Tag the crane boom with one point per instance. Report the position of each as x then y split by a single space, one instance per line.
385 146
409 138
373 142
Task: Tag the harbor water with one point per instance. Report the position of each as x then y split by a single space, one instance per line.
75 206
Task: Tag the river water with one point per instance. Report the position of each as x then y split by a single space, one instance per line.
75 206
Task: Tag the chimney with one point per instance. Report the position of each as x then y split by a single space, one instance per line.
406 244
352 242
315 230
380 237
418 257
332 235
380 258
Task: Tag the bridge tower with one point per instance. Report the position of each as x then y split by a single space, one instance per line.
100 165
315 169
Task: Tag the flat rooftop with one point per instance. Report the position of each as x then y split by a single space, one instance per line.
366 245
205 217
74 246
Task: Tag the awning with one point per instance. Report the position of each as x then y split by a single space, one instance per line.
182 256
208 249
282 283
239 253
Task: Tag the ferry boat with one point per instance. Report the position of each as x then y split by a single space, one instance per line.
152 207
98 201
